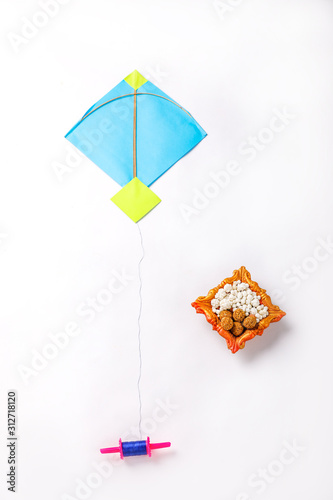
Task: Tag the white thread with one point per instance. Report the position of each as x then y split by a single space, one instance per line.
139 330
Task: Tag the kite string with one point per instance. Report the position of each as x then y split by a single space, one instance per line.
139 330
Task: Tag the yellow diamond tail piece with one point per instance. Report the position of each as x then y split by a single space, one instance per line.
135 199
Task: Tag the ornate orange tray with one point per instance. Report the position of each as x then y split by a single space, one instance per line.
203 306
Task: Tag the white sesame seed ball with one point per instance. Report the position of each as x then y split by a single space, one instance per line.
239 296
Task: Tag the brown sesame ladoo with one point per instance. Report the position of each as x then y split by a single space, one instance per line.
239 315
226 323
250 322
225 313
237 329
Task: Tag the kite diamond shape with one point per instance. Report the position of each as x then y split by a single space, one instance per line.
136 131
135 199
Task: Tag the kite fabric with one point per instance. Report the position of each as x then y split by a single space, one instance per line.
136 133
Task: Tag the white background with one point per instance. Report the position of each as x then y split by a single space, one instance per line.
62 239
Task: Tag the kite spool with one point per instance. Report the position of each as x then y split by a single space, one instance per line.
135 448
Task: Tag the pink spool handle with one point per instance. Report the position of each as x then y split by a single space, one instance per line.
155 446
115 449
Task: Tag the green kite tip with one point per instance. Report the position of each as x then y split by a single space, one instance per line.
135 79
135 199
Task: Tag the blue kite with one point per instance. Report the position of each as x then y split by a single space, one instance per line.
135 133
